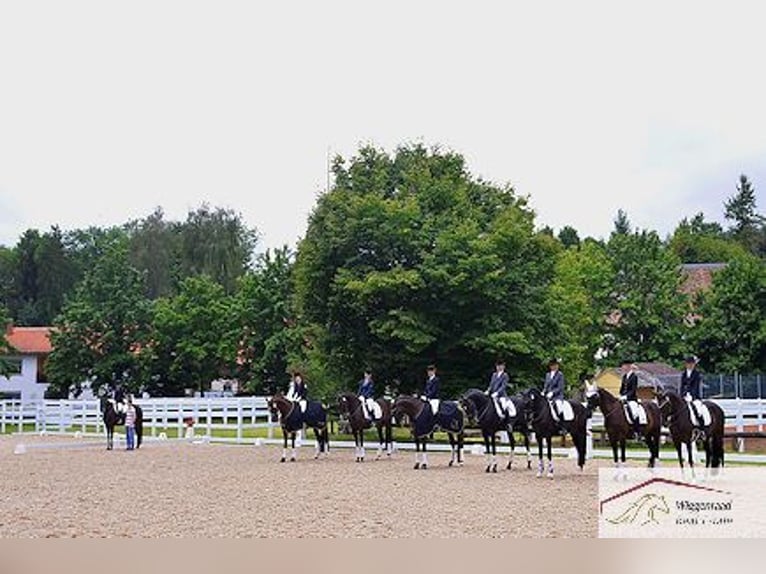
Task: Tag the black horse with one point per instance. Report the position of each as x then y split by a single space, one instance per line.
545 427
112 418
676 416
292 419
619 429
423 422
481 408
350 405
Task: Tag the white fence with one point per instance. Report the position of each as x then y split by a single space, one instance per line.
230 417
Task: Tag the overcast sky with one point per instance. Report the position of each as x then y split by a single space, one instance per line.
110 109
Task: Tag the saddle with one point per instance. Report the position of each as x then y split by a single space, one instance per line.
502 412
704 413
636 411
566 410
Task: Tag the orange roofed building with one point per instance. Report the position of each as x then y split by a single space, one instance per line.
30 347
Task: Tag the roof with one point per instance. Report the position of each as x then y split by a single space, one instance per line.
30 340
698 276
649 374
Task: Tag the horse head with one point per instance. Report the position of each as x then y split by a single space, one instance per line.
470 401
592 396
347 403
278 406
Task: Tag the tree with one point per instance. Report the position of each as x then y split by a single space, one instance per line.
101 335
731 334
263 307
193 339
580 304
154 248
409 260
569 236
648 308
700 241
621 223
216 243
5 347
741 209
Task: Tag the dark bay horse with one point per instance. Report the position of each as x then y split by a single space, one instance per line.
423 422
112 418
545 427
481 408
350 405
292 419
676 416
619 429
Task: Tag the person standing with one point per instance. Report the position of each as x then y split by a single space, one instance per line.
130 424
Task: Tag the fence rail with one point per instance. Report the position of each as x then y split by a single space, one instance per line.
234 415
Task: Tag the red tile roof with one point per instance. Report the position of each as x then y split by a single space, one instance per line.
30 340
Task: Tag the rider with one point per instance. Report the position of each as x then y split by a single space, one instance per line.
119 399
629 393
554 388
366 395
431 389
297 391
691 387
498 390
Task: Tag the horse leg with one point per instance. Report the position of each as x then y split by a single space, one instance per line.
691 455
284 448
486 452
389 438
452 448
512 444
317 435
425 455
380 441
292 444
540 466
528 450
417 453
494 452
361 444
550 457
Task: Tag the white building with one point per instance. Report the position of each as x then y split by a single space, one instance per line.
31 346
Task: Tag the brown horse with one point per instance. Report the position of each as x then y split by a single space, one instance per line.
112 418
350 405
619 429
423 422
676 416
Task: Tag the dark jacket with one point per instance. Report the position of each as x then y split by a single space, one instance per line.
691 384
629 386
431 390
366 388
498 384
554 384
300 390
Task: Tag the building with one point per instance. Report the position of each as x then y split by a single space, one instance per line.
651 376
30 349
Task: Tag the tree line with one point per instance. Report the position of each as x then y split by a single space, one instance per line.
407 260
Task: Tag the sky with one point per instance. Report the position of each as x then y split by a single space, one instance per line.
111 109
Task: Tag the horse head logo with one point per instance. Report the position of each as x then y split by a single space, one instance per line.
643 511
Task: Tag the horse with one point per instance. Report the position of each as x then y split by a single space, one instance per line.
112 418
545 427
676 416
619 430
450 418
350 405
292 419
480 408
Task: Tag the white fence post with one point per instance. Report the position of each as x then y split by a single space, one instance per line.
239 420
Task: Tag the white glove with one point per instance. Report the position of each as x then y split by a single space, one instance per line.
549 395
688 397
623 398
494 395
423 398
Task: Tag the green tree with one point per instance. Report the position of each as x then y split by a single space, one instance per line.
622 224
263 306
5 347
569 236
154 248
216 243
409 260
741 210
101 335
193 338
731 333
700 241
580 302
649 309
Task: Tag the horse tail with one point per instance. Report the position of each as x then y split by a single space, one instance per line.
139 426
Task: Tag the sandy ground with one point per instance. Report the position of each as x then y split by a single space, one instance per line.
195 490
